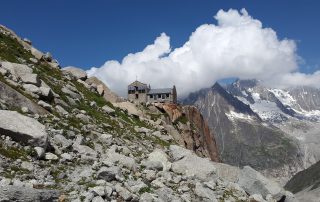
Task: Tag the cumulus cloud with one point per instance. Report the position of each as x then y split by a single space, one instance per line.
237 46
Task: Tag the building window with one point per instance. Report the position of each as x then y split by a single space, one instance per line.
163 96
151 96
167 95
159 96
137 96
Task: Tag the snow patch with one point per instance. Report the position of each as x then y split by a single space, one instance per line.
232 115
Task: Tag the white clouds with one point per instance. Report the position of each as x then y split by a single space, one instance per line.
238 46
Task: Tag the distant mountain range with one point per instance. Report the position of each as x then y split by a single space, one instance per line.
270 129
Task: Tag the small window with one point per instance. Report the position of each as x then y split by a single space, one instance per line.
159 96
163 96
137 96
167 95
151 96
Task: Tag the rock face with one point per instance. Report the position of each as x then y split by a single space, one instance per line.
22 128
306 184
255 183
19 193
14 99
241 137
205 137
76 72
103 90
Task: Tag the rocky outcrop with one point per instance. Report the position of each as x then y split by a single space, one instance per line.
16 100
204 135
27 194
306 184
77 73
103 90
22 128
193 131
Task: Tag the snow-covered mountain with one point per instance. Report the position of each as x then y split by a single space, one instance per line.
242 137
247 116
296 111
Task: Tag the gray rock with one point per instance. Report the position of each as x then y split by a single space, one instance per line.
205 193
46 93
254 182
146 197
114 157
83 118
108 109
45 105
159 156
61 110
25 109
76 72
47 57
86 152
178 152
66 156
16 69
256 198
71 93
62 141
123 193
50 156
98 190
105 138
34 60
98 199
27 194
30 79
109 174
40 152
153 165
192 166
36 53
27 165
31 88
100 89
22 128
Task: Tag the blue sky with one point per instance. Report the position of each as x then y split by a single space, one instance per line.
88 33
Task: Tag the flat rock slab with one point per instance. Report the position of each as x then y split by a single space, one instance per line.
27 194
16 100
22 128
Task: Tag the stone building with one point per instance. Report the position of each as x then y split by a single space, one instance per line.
142 93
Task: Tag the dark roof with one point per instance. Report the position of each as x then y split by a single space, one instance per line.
160 91
137 83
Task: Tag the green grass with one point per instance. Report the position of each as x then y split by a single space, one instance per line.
145 189
15 153
182 119
11 50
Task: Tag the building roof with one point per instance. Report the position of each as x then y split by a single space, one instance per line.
137 83
160 91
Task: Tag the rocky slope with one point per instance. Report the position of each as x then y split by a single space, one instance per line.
306 184
242 137
63 140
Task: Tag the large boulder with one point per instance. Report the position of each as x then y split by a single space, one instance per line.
22 128
16 100
254 182
103 90
190 165
27 194
76 72
16 69
30 79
